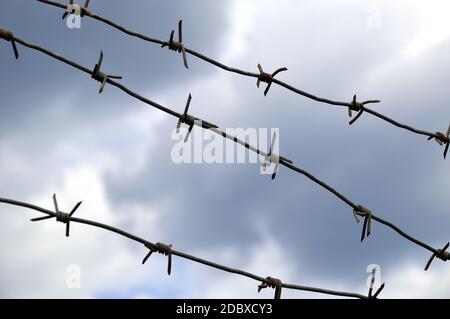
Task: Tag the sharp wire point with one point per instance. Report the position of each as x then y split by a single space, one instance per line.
55 202
180 31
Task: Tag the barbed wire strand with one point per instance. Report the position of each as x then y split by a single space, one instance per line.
358 210
266 282
360 107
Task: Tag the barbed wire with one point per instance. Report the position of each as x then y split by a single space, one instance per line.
167 250
179 46
358 210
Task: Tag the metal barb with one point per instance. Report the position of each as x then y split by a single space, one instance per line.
186 119
177 46
442 254
442 139
59 215
358 107
372 283
272 157
271 282
9 37
367 214
267 77
189 120
100 76
355 106
162 249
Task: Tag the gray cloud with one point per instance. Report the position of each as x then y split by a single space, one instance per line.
208 208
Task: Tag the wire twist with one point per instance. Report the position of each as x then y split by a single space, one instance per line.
367 214
60 216
442 254
100 76
162 249
358 107
442 139
267 77
177 46
190 121
9 37
271 282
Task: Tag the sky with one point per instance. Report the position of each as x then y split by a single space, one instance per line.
58 135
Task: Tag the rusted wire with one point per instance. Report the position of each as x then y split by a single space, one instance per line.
282 160
168 251
261 76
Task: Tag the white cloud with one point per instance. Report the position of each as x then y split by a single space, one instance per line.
434 26
409 280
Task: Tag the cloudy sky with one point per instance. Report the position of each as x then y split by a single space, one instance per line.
58 135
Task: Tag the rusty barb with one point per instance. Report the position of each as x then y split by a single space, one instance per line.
73 8
267 77
367 214
191 120
273 158
9 36
371 295
100 76
442 139
358 107
442 254
271 282
59 215
177 46
162 249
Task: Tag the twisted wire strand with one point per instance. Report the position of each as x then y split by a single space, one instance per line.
252 74
182 254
